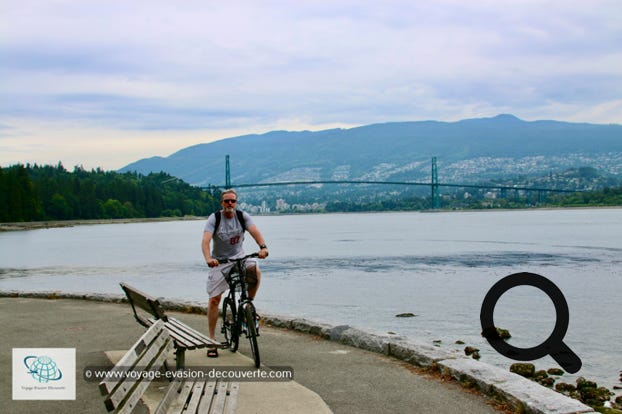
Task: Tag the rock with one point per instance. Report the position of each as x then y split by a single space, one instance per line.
503 333
591 394
470 350
522 394
582 383
565 388
547 382
476 355
555 371
526 370
405 315
459 342
595 397
540 374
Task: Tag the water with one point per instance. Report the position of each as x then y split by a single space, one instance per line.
363 269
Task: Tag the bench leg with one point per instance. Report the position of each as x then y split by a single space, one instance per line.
180 358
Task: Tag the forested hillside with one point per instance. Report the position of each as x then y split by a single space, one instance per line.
468 151
30 193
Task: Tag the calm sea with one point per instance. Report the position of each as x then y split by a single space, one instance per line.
363 269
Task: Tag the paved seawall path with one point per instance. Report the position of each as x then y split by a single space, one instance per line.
349 369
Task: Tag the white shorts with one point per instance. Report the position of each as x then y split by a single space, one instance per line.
216 281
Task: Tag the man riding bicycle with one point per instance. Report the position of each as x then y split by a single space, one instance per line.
226 229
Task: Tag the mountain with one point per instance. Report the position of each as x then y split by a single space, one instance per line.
468 151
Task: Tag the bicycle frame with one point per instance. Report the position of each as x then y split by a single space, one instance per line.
237 279
241 309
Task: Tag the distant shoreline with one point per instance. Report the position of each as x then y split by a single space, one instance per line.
36 225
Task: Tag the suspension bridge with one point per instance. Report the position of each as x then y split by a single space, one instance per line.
434 184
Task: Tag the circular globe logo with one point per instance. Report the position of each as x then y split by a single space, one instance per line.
42 368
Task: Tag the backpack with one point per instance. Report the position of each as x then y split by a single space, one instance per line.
240 215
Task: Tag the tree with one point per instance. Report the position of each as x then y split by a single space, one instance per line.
58 208
113 209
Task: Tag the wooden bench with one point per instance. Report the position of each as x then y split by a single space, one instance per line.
125 385
184 336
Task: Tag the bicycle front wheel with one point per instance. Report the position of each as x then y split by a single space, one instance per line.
250 315
229 324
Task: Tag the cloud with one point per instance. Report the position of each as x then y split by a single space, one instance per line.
243 65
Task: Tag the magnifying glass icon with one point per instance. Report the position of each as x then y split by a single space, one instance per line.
553 345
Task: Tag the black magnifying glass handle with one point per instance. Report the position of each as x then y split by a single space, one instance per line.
567 359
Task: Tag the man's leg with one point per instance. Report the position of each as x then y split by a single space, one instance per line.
252 288
212 314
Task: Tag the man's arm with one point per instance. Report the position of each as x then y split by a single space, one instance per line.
205 247
263 249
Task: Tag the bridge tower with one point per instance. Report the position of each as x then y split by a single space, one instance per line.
436 202
227 173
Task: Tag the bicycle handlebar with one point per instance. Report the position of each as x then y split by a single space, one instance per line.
248 256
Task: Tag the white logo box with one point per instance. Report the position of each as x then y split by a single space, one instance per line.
44 373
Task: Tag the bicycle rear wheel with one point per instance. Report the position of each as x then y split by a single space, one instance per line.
250 315
229 324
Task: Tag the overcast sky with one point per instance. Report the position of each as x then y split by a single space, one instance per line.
104 83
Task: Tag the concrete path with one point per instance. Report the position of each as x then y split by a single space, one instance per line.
328 376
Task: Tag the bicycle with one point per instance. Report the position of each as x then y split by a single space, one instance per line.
240 319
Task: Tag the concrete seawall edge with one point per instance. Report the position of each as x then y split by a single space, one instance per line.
525 395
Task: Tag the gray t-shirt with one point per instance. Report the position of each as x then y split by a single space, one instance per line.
228 241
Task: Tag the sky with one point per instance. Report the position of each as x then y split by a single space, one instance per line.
103 83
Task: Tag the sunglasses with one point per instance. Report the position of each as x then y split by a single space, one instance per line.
231 200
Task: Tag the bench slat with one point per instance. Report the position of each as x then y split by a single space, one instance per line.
208 397
186 337
130 359
218 405
144 301
199 397
181 337
126 397
191 337
193 333
122 392
180 401
182 340
232 399
169 397
197 393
